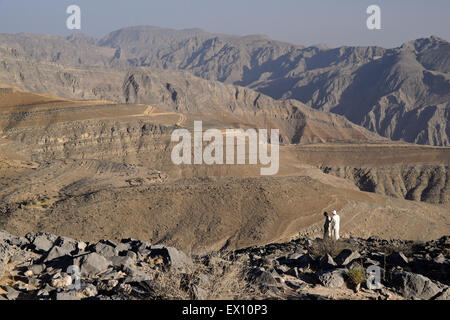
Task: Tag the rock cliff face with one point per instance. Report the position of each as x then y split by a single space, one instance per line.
428 183
401 93
179 92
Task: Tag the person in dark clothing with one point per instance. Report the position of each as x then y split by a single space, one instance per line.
326 226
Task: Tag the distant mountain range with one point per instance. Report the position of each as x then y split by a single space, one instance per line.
401 93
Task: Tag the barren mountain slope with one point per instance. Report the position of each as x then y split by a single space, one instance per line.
400 93
181 92
104 171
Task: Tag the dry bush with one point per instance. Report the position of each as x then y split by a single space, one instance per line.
407 248
357 274
321 248
221 278
166 286
226 278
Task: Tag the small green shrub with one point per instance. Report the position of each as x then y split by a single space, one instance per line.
357 274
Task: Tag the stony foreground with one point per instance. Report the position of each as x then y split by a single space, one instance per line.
48 267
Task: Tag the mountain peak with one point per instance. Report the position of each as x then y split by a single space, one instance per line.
425 43
81 38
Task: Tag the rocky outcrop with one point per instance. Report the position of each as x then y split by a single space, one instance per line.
48 267
429 183
416 286
65 269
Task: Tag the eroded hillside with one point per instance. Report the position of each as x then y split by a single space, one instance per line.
400 93
102 170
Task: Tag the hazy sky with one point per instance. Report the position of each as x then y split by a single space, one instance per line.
305 22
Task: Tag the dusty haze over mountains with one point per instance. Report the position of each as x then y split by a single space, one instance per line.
305 22
199 150
85 129
401 93
86 154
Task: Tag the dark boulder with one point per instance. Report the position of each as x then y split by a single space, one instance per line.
397 259
327 262
175 259
346 256
92 264
332 279
415 286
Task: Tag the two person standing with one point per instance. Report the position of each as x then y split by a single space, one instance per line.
332 225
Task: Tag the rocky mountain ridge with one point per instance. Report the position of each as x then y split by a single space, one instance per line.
419 182
180 92
47 267
400 93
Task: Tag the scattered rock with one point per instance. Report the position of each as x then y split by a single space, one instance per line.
443 295
44 292
261 277
28 273
68 295
346 256
11 293
43 242
37 268
112 274
414 286
305 261
131 269
295 255
296 284
135 275
132 255
370 262
121 262
90 291
176 259
374 239
81 246
8 238
106 249
92 264
282 268
397 259
66 244
57 252
143 248
327 262
62 281
332 279
293 272
440 259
